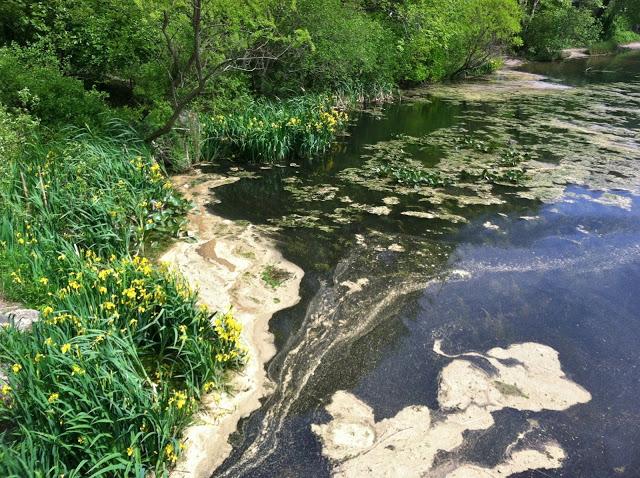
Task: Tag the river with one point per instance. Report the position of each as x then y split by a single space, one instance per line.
471 298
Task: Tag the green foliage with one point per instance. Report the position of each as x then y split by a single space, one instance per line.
117 186
274 277
414 177
14 131
347 46
109 378
32 82
507 176
621 30
627 10
453 37
106 381
94 38
269 132
558 24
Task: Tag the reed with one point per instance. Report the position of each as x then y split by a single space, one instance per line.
269 131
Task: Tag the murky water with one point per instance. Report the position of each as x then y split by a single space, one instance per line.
464 219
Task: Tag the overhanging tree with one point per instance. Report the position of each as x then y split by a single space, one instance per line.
203 40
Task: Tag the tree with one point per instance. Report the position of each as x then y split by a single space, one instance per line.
448 38
559 24
93 39
229 35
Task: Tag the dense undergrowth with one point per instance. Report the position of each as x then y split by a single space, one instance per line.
106 381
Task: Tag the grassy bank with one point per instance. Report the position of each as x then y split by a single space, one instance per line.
106 381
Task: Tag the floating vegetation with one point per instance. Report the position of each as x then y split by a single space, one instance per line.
526 138
312 192
415 177
510 176
274 276
468 163
585 136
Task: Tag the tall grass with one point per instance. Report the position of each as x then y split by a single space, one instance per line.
106 381
269 131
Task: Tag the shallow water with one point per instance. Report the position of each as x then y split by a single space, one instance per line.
400 278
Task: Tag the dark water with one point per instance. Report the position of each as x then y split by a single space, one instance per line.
557 265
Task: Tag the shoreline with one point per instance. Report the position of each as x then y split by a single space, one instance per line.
224 261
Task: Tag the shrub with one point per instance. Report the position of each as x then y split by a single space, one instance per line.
454 37
558 24
33 82
94 38
621 31
347 46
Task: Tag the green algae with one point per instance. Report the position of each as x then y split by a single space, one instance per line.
275 276
507 389
514 139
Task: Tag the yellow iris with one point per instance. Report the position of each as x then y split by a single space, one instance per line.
76 370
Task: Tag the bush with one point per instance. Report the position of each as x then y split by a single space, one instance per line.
454 37
622 31
347 46
95 39
14 130
557 25
33 82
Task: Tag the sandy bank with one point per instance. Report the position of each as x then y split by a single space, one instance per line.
225 260
630 46
574 53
